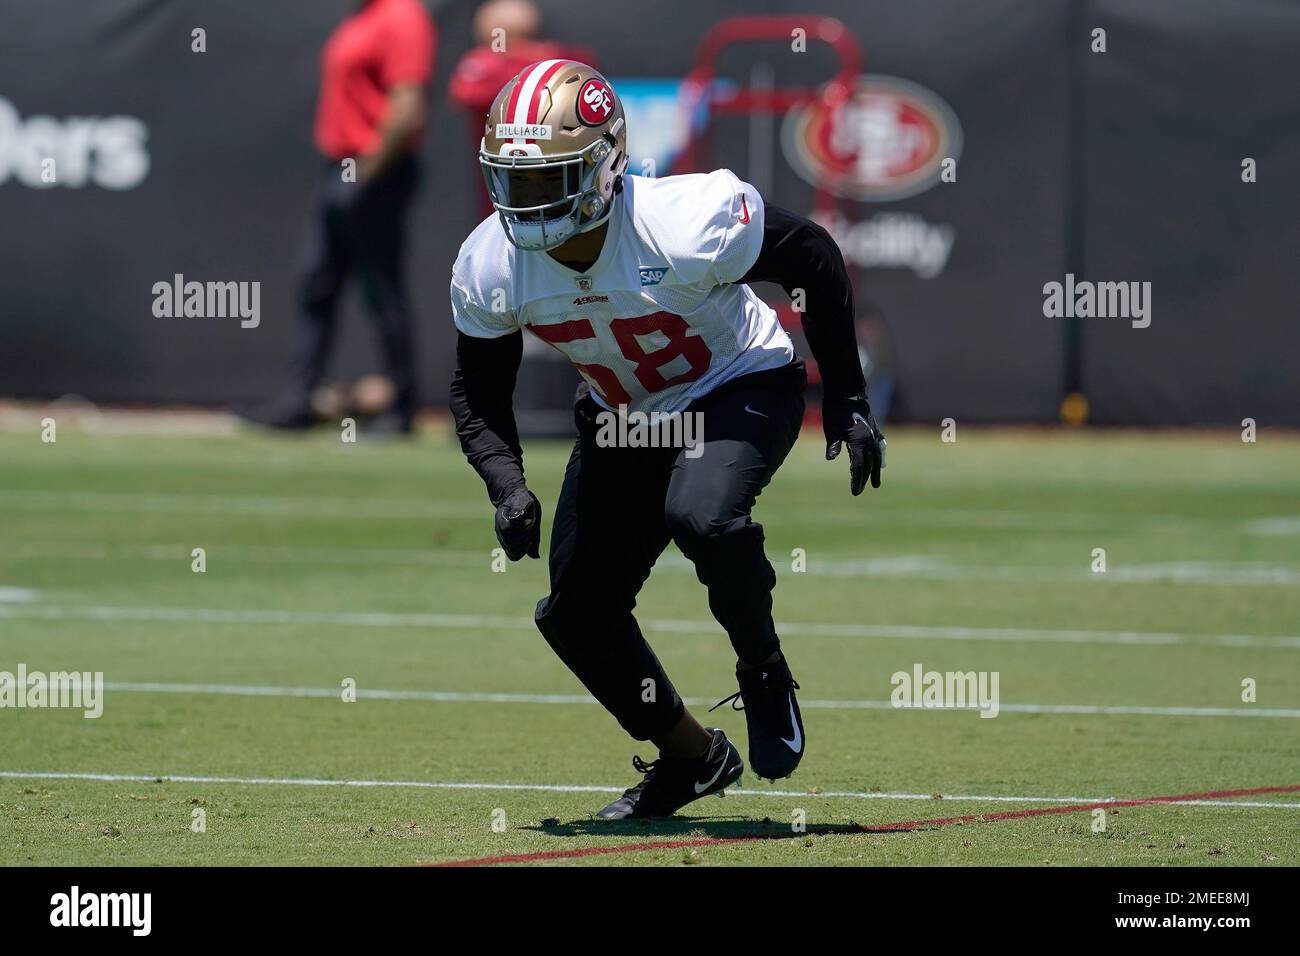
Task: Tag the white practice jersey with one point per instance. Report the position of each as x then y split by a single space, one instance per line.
658 320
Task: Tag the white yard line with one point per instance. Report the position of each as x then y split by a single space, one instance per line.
338 507
1281 525
225 504
578 788
912 567
364 619
471 697
361 557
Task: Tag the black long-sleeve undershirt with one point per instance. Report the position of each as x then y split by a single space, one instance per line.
796 254
482 403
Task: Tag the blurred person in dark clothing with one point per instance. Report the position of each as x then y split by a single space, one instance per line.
877 353
507 35
369 122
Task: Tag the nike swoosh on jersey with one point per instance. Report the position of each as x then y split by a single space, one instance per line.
755 411
744 211
797 744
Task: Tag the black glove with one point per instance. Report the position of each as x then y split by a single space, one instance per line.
849 420
519 524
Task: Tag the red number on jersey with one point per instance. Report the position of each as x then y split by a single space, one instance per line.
648 364
602 378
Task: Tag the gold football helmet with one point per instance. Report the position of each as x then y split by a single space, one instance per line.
553 152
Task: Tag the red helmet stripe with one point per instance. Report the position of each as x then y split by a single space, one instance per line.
514 94
536 105
525 99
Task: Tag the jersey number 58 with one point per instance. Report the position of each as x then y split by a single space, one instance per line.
647 364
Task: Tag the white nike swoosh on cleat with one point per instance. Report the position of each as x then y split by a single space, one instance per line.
701 787
755 411
797 744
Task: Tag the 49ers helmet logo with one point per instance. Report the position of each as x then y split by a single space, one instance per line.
595 103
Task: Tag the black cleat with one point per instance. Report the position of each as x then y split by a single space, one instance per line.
776 741
672 782
290 414
391 423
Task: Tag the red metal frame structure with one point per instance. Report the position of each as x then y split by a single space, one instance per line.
700 91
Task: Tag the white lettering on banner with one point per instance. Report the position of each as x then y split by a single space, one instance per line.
105 151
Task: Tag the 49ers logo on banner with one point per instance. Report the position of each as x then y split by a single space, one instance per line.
595 103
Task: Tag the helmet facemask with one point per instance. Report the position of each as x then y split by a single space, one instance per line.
544 200
554 146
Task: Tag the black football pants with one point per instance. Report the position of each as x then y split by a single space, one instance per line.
356 229
618 509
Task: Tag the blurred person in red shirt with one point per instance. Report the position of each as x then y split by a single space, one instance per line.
370 116
507 34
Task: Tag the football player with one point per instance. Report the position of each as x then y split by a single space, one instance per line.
644 285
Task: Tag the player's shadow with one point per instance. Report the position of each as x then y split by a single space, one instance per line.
710 828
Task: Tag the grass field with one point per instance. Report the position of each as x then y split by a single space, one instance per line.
372 562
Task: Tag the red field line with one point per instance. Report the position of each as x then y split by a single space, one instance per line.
877 828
